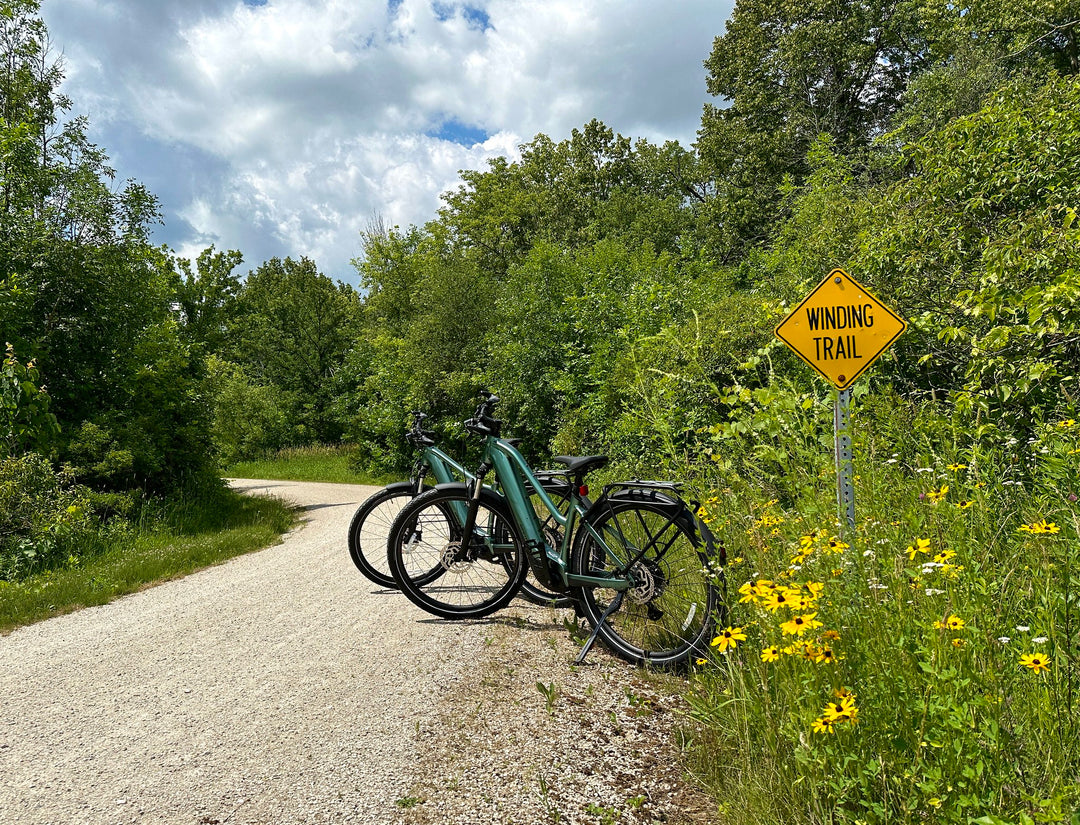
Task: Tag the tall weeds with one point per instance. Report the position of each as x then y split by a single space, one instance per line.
924 669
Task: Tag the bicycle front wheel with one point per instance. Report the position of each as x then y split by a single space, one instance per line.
443 573
667 615
370 529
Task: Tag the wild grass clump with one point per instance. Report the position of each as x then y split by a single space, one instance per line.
922 669
315 463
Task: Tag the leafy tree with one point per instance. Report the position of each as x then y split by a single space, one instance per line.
206 296
292 329
596 184
791 71
980 249
85 294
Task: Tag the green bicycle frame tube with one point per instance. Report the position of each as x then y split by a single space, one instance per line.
443 467
512 470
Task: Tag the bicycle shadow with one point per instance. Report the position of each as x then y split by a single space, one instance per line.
514 622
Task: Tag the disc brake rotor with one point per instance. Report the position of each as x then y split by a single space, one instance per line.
451 558
649 582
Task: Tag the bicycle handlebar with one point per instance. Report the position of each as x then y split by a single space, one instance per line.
483 422
417 435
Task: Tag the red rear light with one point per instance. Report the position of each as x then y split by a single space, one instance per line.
583 490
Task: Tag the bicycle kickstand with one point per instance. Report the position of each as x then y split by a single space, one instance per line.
611 608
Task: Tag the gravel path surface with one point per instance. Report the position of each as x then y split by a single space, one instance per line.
282 687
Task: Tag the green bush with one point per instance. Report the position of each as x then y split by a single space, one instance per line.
46 520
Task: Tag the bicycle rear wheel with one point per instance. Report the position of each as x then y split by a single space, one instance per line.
668 613
370 529
442 573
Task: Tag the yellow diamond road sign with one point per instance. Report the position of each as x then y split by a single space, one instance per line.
840 329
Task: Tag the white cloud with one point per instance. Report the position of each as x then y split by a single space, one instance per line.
283 128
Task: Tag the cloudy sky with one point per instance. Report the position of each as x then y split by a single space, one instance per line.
285 127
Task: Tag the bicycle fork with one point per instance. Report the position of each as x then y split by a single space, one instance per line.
474 507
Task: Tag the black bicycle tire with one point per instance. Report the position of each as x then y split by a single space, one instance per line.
415 590
687 564
360 519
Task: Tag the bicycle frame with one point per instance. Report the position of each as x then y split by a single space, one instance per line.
512 471
442 466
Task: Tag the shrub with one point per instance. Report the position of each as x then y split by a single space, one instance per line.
46 520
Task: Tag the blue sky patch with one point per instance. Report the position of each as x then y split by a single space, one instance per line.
455 131
254 2
475 18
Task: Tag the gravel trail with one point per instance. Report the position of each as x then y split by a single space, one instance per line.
282 687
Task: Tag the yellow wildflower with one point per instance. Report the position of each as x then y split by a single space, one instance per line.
920 546
835 545
1038 662
729 637
1039 527
937 495
798 625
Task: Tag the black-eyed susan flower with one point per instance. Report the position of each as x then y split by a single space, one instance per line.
842 711
831 635
920 546
798 625
963 505
959 642
951 623
1039 528
835 545
728 638
770 654
954 468
1037 662
807 651
825 656
822 725
781 597
936 495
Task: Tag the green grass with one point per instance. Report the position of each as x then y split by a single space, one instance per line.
322 463
188 538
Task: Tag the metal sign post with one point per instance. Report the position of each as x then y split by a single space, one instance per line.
840 329
845 471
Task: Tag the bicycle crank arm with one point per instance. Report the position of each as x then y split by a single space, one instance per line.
611 608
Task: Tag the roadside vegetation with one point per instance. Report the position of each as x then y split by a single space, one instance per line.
74 557
314 463
620 296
